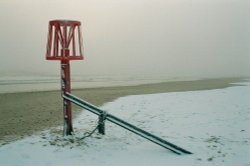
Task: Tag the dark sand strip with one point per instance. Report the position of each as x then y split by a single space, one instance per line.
22 114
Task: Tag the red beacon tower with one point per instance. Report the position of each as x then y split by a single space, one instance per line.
65 44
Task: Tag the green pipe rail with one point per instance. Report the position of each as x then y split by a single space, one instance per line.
105 116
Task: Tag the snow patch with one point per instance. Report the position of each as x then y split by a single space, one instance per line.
213 124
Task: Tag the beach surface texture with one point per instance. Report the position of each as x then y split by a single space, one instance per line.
23 114
210 118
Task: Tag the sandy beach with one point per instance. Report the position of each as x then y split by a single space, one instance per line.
23 114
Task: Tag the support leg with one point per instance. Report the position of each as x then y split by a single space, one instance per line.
101 124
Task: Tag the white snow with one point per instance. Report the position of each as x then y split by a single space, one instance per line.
213 124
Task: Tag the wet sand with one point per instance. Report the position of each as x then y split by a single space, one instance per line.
23 114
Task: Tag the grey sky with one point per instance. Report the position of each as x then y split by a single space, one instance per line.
198 38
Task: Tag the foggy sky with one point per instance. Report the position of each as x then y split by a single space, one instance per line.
197 38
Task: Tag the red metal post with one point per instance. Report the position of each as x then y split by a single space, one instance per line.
61 38
66 87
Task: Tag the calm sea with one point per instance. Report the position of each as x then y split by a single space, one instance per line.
21 83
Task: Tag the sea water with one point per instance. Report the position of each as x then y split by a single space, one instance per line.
29 83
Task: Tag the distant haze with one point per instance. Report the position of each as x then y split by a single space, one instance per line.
183 38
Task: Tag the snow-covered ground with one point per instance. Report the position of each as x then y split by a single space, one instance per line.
213 124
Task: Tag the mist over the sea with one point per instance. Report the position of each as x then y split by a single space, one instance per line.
174 38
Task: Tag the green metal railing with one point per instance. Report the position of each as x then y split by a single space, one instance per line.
103 115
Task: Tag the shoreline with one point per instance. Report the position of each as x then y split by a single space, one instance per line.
34 84
24 113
